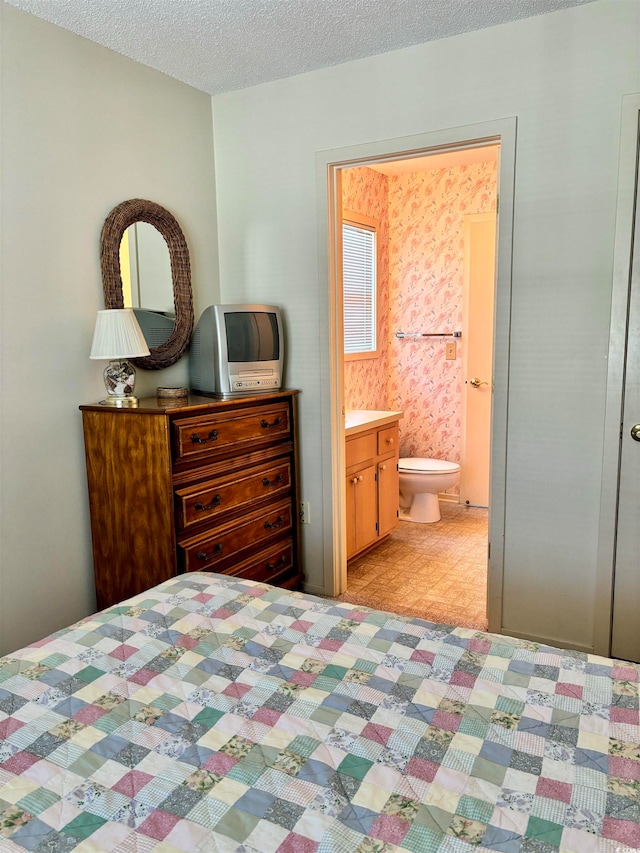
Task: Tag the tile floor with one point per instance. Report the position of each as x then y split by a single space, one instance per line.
434 571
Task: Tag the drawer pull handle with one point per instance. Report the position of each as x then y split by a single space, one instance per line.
270 567
274 525
389 441
266 425
276 481
198 439
215 501
202 555
383 467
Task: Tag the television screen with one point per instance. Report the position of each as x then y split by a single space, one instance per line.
251 336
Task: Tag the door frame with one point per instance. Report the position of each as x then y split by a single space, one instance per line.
328 175
628 186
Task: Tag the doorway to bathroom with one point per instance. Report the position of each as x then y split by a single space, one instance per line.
432 220
489 163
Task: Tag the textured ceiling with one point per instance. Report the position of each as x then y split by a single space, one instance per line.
221 45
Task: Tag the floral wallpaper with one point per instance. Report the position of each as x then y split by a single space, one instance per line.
365 191
426 253
421 291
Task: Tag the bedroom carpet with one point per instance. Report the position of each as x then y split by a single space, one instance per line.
431 571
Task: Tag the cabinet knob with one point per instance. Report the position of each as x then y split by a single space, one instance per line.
355 481
360 478
389 441
383 467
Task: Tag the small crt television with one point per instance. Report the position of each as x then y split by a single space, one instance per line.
237 350
156 326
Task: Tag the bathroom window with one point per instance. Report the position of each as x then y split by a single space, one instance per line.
359 263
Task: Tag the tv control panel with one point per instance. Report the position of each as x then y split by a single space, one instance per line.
250 384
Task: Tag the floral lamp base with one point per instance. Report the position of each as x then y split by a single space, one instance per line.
119 380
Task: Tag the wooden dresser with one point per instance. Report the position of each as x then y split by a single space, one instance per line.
197 485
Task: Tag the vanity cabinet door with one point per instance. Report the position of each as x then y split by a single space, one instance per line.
362 509
388 495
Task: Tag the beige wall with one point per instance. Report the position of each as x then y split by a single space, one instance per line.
560 77
82 129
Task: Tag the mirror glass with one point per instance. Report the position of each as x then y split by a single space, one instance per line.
147 286
145 266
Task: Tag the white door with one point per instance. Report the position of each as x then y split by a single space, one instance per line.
477 342
625 641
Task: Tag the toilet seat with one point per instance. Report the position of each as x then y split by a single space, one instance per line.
421 464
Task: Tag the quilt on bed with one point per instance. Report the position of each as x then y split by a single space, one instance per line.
217 715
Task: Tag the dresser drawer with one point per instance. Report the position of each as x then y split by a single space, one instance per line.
387 440
204 436
217 496
212 549
360 449
267 566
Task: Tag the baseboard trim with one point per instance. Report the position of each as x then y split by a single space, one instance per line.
555 642
313 589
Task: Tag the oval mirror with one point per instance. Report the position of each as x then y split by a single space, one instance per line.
165 313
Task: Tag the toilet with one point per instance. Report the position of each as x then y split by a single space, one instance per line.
421 480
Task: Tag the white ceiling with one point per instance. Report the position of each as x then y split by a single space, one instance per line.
221 45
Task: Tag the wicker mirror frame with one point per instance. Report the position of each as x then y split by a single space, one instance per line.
116 223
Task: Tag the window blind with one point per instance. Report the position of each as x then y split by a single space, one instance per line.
359 283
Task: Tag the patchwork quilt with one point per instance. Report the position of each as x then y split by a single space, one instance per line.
212 715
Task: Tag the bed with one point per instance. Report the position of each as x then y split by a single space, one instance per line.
214 715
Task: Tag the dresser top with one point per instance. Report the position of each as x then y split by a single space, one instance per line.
192 403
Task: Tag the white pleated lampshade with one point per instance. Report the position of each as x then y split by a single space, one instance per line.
118 335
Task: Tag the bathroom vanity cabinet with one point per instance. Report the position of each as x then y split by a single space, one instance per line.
371 451
197 485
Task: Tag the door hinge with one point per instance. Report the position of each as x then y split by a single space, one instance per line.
489 551
375 477
376 526
498 203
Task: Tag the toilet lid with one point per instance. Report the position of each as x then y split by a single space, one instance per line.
431 466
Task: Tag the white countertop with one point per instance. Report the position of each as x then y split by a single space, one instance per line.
359 420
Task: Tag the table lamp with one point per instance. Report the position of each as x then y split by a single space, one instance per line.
118 337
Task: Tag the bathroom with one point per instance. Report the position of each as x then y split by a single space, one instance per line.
424 211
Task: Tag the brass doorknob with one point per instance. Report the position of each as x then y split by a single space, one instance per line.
635 432
476 383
